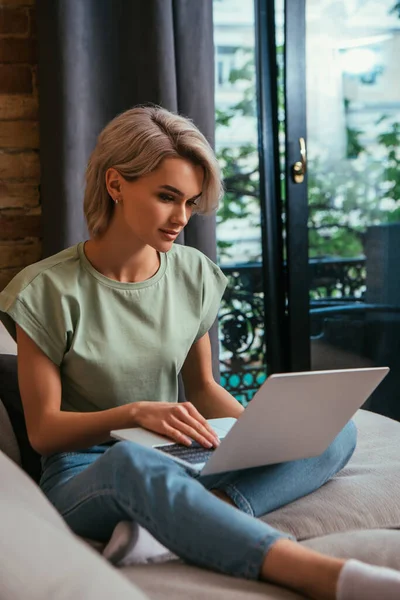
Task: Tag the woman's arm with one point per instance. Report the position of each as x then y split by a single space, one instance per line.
49 429
52 430
210 399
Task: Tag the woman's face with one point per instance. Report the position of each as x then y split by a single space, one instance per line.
156 207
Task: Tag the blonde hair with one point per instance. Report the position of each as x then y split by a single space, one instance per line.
134 143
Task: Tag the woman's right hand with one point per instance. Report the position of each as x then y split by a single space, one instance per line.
181 422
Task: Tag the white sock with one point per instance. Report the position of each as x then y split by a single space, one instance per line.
360 581
131 544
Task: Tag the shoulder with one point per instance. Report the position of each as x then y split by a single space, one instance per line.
35 300
185 254
203 280
52 272
188 260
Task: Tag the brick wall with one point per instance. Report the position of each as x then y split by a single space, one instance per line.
19 139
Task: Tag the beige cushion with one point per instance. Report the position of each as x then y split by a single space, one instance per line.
377 547
364 495
178 581
182 582
7 344
40 558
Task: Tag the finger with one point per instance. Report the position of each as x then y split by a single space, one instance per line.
199 417
195 413
195 422
177 436
191 429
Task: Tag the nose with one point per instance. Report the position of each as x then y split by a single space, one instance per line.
180 214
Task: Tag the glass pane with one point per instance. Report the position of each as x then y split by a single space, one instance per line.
241 320
353 114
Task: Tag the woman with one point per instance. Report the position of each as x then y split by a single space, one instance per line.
103 330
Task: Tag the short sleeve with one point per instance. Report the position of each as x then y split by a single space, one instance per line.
36 307
214 284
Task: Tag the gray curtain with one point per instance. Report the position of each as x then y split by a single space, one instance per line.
98 58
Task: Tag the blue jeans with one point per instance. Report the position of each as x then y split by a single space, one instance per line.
96 488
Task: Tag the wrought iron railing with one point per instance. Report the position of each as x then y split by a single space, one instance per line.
337 278
241 318
241 330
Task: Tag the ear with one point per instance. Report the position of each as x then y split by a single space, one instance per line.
113 182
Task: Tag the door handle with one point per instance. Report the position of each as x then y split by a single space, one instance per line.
299 168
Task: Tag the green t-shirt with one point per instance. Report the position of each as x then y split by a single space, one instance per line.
114 342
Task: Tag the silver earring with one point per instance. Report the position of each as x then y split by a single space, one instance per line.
116 201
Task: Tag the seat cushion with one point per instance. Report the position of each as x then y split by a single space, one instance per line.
184 582
378 547
364 495
40 558
179 581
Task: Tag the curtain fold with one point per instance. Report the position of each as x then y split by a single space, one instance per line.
98 58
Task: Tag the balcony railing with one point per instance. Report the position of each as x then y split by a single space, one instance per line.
333 282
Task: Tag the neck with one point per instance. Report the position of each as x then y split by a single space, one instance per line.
123 261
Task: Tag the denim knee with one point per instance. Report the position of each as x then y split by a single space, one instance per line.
129 455
140 465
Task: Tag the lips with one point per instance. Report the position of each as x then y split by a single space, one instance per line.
170 231
169 234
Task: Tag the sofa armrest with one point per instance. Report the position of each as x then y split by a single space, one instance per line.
7 344
40 557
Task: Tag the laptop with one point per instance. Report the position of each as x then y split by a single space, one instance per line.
291 416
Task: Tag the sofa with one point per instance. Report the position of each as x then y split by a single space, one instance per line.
356 514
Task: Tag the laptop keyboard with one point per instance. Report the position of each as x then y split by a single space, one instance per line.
193 454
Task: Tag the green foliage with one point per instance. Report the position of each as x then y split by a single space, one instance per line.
239 165
353 145
241 186
343 202
395 9
390 140
393 216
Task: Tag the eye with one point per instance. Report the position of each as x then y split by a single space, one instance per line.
193 202
166 197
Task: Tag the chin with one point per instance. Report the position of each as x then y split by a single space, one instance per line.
163 247
167 247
